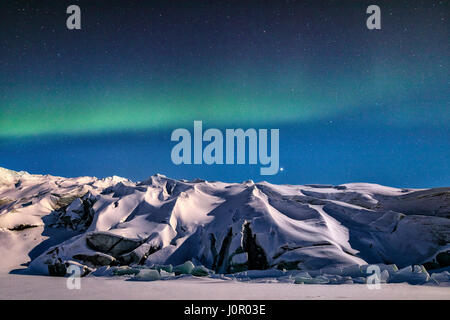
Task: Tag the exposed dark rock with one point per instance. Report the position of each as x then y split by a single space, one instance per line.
443 259
5 202
62 202
139 255
123 246
111 244
88 212
129 258
29 203
95 259
102 242
222 264
78 213
170 186
431 265
21 227
57 269
257 259
148 253
214 253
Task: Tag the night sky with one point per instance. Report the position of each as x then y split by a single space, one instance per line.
352 104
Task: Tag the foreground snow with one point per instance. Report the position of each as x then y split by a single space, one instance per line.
161 228
42 287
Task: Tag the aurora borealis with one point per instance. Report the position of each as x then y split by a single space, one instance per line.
355 105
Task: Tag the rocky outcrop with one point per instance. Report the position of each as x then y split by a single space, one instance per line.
21 227
220 261
78 214
57 269
257 259
96 260
441 260
111 244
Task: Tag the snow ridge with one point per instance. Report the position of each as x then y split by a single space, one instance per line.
226 227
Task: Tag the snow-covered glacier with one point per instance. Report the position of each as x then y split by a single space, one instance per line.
247 229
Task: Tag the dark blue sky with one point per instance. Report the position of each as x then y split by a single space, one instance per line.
352 104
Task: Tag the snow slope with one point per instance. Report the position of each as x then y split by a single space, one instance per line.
51 222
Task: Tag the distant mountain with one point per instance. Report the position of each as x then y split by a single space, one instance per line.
227 227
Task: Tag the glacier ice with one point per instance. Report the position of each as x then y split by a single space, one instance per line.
185 268
200 271
251 230
411 274
147 275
